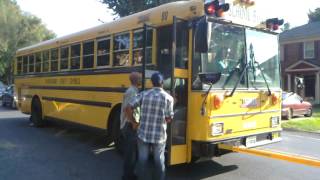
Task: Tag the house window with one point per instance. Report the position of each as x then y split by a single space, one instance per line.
308 50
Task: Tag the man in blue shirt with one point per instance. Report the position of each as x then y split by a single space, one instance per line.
156 110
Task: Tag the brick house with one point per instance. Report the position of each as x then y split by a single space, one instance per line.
300 61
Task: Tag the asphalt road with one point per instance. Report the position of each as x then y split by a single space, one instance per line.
67 152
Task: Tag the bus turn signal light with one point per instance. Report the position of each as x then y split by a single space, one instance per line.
274 99
215 8
217 101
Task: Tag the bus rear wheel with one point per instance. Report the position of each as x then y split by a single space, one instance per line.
36 113
116 133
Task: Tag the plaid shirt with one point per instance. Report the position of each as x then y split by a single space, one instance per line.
156 105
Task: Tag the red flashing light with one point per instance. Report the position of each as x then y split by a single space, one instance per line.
211 9
214 8
274 23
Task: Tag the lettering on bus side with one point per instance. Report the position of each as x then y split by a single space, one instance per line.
63 81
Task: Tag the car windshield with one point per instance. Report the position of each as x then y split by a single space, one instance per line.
230 48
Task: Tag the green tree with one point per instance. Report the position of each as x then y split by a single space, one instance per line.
17 30
314 16
126 7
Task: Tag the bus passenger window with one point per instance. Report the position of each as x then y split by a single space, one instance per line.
121 49
38 62
31 63
45 61
103 52
138 46
88 52
54 60
19 65
25 64
75 56
64 58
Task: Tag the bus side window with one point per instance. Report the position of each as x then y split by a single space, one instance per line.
75 56
38 62
138 46
88 54
103 52
54 60
19 65
25 64
45 61
121 44
64 58
182 45
31 63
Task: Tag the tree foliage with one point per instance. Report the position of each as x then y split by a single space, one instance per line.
17 29
126 7
314 16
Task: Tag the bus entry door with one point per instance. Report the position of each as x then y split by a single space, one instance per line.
172 62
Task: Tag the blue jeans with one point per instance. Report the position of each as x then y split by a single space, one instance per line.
157 150
130 152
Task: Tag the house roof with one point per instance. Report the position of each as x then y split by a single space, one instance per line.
300 33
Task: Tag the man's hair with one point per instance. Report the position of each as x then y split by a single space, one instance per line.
157 79
135 78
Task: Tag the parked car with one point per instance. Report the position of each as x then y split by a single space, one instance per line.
8 97
2 89
294 105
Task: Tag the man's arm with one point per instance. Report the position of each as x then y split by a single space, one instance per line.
169 110
129 115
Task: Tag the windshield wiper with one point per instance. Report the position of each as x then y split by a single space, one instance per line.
253 62
240 78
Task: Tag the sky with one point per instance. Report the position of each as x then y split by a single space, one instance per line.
69 16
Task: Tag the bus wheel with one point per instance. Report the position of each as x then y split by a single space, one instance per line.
36 113
116 133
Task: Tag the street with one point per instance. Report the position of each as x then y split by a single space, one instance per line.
67 152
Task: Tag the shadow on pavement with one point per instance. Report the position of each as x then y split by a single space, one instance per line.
198 170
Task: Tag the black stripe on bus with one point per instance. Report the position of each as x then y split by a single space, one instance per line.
82 88
110 70
77 101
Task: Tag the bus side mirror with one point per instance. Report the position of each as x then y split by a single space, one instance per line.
201 36
209 78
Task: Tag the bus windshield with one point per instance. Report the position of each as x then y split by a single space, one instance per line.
229 52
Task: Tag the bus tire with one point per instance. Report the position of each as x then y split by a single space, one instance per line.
36 113
117 135
116 132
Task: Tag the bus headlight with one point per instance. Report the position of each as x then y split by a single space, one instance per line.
216 129
274 121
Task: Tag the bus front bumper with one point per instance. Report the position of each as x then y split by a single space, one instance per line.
211 148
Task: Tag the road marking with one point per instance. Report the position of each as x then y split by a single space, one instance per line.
275 155
304 137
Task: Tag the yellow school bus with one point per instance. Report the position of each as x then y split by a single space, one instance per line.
223 72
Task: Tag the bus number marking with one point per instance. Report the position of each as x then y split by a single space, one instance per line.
164 16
